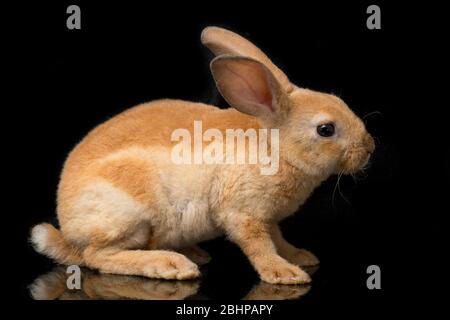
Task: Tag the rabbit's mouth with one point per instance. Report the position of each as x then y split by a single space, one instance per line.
355 159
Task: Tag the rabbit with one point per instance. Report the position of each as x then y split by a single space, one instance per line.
125 207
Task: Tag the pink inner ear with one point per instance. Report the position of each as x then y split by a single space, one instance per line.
257 91
267 100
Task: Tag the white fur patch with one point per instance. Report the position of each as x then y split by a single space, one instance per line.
102 207
39 238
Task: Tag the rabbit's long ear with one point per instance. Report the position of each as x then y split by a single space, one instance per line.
221 41
250 87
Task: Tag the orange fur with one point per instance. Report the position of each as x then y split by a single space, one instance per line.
125 207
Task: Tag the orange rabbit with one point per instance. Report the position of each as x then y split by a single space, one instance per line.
125 207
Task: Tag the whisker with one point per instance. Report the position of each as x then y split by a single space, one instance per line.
354 177
335 188
365 118
338 188
371 114
342 195
377 141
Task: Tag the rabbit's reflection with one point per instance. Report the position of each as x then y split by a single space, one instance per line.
267 291
97 286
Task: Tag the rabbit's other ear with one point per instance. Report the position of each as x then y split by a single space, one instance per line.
221 41
249 86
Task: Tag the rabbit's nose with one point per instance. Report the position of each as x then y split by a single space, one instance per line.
369 143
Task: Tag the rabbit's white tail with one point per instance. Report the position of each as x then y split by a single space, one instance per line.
49 241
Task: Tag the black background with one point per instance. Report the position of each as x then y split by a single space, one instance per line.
128 53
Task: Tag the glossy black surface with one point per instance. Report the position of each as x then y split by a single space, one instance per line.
127 53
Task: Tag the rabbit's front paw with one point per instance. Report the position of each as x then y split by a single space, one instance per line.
303 258
278 271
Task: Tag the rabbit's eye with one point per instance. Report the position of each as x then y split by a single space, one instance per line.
325 130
